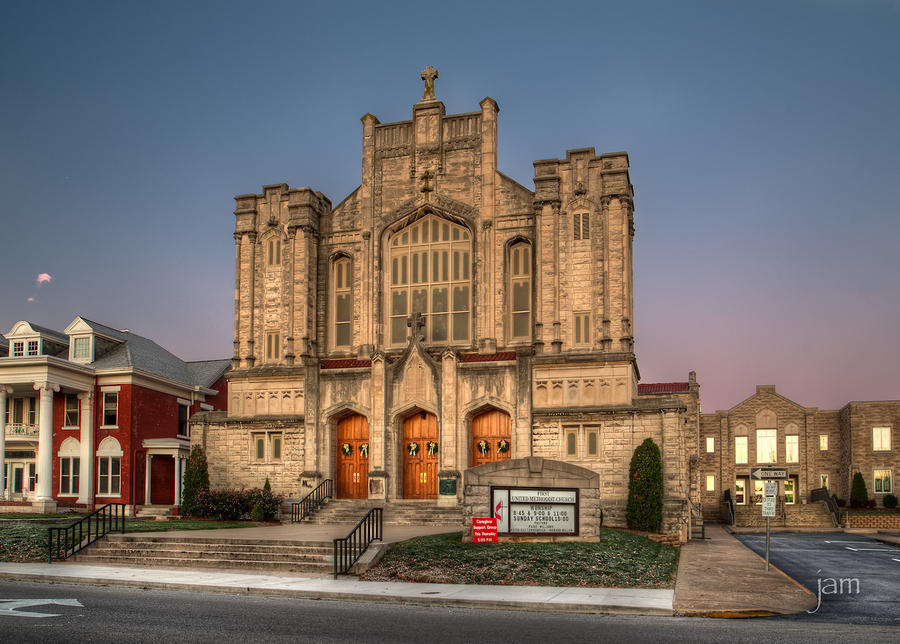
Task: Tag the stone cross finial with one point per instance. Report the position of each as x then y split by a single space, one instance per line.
416 322
426 181
428 75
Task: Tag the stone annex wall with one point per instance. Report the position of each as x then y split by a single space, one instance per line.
812 515
858 420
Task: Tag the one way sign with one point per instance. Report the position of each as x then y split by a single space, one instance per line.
769 473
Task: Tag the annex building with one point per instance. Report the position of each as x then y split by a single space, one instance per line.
439 317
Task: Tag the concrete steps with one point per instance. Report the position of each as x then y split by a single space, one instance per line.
210 552
398 513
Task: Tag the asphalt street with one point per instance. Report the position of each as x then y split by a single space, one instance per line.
104 614
856 578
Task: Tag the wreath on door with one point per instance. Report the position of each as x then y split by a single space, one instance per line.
483 447
431 447
502 446
412 448
347 449
364 450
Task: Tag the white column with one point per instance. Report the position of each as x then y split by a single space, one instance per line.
86 485
146 480
176 500
3 391
45 441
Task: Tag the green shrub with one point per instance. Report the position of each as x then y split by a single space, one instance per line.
267 486
859 494
269 503
257 513
645 488
196 478
889 501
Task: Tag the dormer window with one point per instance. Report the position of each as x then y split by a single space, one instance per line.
34 347
18 349
81 349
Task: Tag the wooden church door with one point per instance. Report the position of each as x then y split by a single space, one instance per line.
420 457
353 458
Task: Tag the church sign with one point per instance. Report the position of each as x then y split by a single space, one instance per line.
535 511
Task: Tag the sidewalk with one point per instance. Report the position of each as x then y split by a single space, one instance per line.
720 577
636 601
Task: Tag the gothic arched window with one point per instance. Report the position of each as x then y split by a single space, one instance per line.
430 273
520 290
342 302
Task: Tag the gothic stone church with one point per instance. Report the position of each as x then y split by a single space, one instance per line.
440 317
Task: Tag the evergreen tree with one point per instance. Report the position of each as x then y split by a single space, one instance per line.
645 488
859 494
196 478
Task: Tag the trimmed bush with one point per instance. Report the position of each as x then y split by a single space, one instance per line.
196 478
257 513
645 488
889 501
268 503
859 494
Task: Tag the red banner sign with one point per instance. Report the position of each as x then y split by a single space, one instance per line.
484 530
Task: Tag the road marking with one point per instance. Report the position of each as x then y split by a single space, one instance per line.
861 542
895 559
870 549
9 606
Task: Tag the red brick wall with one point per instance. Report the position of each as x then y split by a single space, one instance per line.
219 402
883 521
123 434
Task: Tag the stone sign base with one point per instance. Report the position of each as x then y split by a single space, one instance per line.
532 472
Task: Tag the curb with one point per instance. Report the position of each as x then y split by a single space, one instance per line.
608 609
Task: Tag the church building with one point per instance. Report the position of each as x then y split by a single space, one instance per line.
439 317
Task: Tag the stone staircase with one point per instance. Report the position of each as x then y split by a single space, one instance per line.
806 515
157 512
399 512
210 552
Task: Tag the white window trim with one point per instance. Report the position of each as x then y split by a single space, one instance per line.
109 390
109 448
267 458
77 411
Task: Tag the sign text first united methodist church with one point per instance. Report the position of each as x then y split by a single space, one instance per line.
534 511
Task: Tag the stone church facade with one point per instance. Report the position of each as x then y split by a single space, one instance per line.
443 316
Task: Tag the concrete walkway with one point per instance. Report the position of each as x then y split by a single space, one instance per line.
720 577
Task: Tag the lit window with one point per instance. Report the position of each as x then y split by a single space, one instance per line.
740 491
789 492
581 225
881 438
431 274
882 481
710 444
71 415
766 446
740 449
273 340
792 449
582 328
342 303
68 474
274 252
823 442
823 480
710 483
758 489
520 287
110 409
18 349
33 347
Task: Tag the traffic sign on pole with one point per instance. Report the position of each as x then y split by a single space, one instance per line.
769 473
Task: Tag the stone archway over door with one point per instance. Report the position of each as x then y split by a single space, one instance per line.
352 459
488 431
420 469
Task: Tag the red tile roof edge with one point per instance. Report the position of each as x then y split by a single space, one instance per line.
347 363
664 387
487 357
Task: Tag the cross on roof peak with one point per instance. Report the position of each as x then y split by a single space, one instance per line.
428 75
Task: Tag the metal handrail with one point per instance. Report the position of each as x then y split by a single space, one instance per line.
696 510
82 533
348 550
729 501
821 494
305 506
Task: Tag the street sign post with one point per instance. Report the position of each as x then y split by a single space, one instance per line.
770 476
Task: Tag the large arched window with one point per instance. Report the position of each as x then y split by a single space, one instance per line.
430 273
342 302
520 290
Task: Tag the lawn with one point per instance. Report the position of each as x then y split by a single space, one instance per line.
617 560
27 542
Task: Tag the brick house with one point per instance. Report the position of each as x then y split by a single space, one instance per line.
104 412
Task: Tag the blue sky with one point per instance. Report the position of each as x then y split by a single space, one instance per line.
763 138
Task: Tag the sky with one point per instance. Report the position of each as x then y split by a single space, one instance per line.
763 138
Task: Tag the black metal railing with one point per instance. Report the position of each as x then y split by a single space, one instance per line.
821 494
305 506
349 549
729 506
66 541
696 513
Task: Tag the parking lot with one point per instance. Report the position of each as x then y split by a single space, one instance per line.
856 578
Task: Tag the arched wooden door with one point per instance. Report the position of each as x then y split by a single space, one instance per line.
352 458
420 457
490 437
